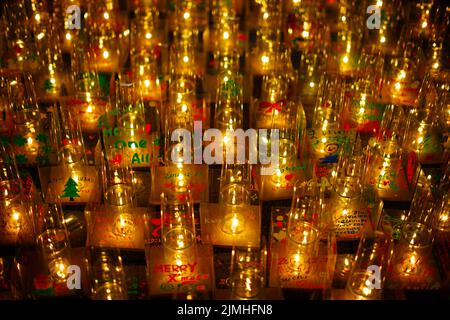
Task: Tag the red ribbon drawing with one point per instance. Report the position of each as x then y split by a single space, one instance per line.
270 107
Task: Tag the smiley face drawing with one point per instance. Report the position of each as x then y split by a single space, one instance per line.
330 153
331 148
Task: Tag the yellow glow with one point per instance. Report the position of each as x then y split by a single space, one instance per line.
346 262
126 32
40 35
366 291
234 223
436 65
345 59
16 216
37 17
265 15
146 83
148 35
106 15
226 35
105 54
379 3
344 18
305 34
265 59
68 36
186 59
398 85
186 15
30 140
383 39
311 84
424 24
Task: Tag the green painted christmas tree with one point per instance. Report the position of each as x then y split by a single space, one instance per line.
70 189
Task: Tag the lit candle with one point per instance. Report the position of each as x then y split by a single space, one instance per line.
410 263
124 225
58 269
233 223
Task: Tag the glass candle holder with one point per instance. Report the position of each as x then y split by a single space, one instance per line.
329 101
234 197
413 249
177 221
441 214
306 220
16 215
229 109
107 274
181 101
129 104
347 182
147 76
53 239
117 178
185 61
19 38
366 280
23 99
89 109
70 139
51 79
424 136
313 62
248 272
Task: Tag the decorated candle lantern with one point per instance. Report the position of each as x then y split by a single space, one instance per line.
306 226
304 24
374 250
385 168
229 99
177 222
326 136
16 215
362 108
347 182
53 240
404 71
425 136
26 116
234 197
107 274
21 47
51 81
313 62
118 195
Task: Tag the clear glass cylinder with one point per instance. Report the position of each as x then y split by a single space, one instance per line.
177 221
366 280
248 272
107 275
